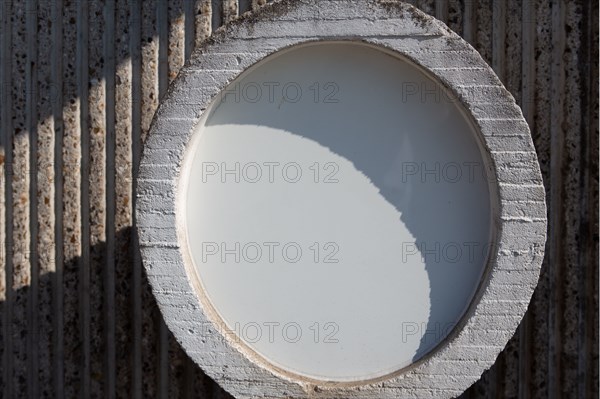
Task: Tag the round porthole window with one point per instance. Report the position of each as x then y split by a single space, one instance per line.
340 207
337 211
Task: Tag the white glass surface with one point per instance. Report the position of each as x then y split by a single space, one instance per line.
337 211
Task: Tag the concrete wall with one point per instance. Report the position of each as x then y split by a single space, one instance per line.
80 81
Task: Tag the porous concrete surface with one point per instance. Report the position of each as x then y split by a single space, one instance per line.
545 52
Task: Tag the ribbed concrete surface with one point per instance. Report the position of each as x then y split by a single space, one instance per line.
80 81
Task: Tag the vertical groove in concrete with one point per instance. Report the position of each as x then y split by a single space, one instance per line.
136 147
71 201
177 37
513 48
469 21
3 176
20 197
162 23
56 95
556 221
96 177
122 192
149 59
494 386
110 231
499 38
244 6
585 257
189 30
44 243
527 105
592 292
528 61
6 134
188 391
483 29
441 10
85 258
540 128
570 295
588 246
217 14
31 118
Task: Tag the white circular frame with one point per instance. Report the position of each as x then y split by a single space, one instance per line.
519 216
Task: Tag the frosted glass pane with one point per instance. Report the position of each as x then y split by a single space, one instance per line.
338 213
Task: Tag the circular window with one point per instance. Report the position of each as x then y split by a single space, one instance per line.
337 211
340 200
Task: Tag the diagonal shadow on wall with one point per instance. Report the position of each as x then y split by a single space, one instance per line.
186 379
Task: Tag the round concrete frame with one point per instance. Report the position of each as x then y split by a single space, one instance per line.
519 217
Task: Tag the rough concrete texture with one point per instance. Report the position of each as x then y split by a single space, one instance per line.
544 51
520 219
